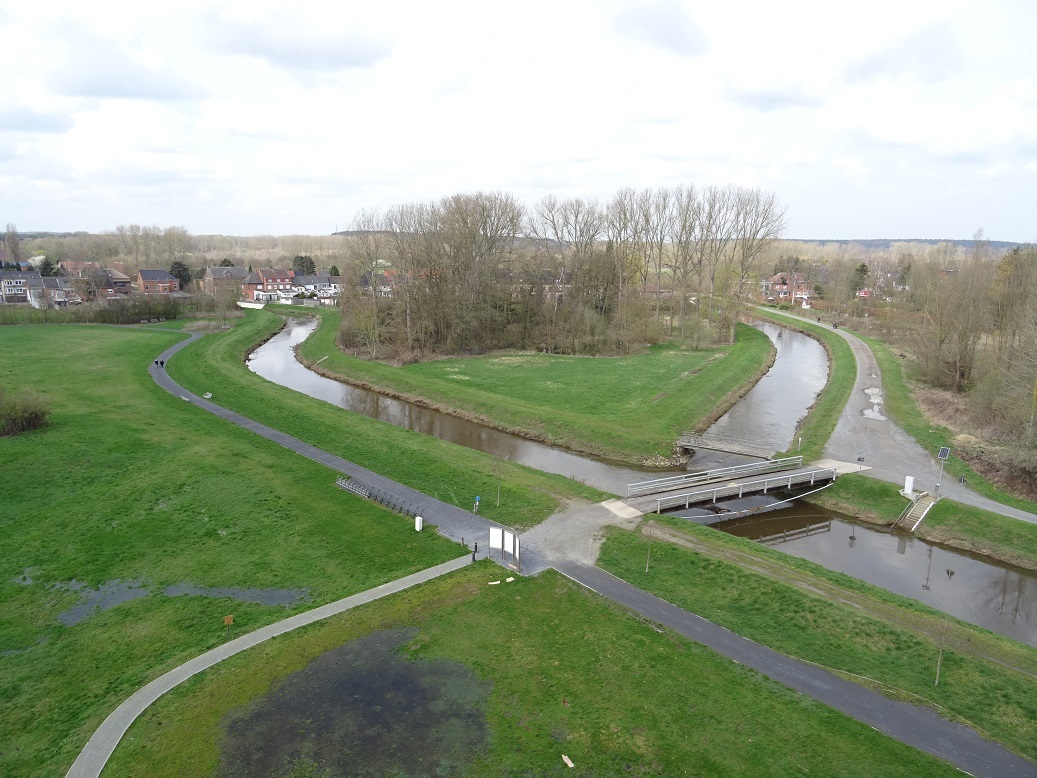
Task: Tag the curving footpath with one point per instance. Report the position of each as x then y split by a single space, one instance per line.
890 453
914 725
102 743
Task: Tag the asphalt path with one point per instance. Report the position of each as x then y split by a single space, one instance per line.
914 725
451 521
564 544
889 453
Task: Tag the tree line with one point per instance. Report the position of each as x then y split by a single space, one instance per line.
967 317
473 272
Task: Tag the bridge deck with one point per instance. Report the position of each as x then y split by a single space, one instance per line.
747 448
741 489
670 483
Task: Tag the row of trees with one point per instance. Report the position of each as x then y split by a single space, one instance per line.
478 271
967 317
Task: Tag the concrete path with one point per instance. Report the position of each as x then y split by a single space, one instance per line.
98 750
914 725
890 454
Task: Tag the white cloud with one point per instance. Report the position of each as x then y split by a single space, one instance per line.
254 119
666 24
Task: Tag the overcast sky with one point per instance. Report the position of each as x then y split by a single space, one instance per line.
905 119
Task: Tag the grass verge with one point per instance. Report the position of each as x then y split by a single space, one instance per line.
572 674
626 408
128 483
805 611
449 472
949 523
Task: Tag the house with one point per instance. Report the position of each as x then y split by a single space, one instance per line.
54 292
15 285
267 284
382 285
335 285
152 282
83 269
321 282
224 278
787 288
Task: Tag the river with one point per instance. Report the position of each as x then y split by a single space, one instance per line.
992 596
275 360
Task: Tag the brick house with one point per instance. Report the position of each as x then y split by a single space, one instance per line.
267 285
151 282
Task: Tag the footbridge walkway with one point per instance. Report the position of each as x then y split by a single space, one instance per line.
736 482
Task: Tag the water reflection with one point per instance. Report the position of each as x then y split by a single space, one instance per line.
769 413
275 361
998 598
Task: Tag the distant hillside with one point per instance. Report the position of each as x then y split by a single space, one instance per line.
885 243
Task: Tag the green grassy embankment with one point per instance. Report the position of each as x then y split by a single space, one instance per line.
806 611
627 408
129 483
449 472
949 523
571 674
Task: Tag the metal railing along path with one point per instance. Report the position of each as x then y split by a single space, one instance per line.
707 476
748 487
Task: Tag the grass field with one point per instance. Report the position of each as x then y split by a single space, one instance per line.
131 484
627 408
817 427
838 622
451 473
571 674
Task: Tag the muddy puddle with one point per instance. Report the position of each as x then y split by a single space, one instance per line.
362 709
112 593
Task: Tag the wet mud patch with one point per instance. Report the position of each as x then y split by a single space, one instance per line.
362 709
285 597
105 597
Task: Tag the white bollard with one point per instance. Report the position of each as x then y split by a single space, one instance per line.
418 523
909 484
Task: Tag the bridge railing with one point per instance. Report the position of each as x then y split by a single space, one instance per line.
706 476
748 487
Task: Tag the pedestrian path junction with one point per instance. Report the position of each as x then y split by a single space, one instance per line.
555 544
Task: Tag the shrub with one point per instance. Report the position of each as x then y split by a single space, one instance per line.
22 412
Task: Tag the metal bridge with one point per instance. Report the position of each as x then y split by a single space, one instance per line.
808 477
729 445
709 476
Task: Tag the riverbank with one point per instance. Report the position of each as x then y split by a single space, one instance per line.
448 472
875 638
949 523
817 426
628 409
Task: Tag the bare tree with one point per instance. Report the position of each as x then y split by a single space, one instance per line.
13 244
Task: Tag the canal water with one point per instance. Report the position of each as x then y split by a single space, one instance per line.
769 413
999 598
275 360
992 596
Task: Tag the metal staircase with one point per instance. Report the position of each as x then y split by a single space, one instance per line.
916 511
